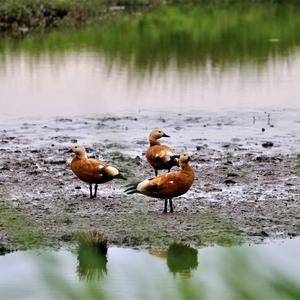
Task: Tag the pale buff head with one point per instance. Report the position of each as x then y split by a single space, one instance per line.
157 133
184 158
79 151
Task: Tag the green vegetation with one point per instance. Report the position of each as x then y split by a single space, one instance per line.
26 15
20 229
298 164
186 37
91 256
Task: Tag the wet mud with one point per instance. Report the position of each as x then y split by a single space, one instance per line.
244 190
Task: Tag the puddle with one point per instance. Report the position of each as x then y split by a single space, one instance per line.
149 274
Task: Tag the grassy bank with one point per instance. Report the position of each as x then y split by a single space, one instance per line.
27 15
189 36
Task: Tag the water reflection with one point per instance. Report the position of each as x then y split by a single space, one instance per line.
92 259
176 59
180 258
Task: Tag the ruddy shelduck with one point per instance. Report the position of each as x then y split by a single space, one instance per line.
91 171
159 156
168 185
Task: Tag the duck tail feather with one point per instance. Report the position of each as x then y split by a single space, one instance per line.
131 192
131 187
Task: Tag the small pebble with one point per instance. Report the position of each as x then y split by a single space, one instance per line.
268 144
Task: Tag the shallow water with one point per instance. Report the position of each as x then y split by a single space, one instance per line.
80 84
132 274
166 61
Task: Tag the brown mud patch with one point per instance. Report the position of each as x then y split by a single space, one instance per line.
243 190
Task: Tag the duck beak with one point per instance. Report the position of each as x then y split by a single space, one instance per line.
165 135
69 151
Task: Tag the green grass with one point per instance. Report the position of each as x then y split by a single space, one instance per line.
21 231
298 165
26 15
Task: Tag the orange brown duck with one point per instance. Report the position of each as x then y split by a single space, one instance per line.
160 157
91 171
167 186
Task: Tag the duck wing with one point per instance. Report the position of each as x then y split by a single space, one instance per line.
158 184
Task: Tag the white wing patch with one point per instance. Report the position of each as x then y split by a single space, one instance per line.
166 155
112 171
171 181
141 186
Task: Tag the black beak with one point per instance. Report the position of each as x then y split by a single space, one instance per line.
69 151
165 135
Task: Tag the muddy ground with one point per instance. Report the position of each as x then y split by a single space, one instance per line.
247 186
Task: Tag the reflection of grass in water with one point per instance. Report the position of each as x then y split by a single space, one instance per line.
182 259
91 256
186 36
240 275
21 231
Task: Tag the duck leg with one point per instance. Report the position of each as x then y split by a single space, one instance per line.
95 193
91 191
166 205
155 173
171 206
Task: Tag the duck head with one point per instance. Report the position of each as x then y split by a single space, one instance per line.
79 151
184 158
156 134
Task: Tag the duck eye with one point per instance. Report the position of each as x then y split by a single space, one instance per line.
75 147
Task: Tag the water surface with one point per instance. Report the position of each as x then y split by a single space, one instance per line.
135 274
172 59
